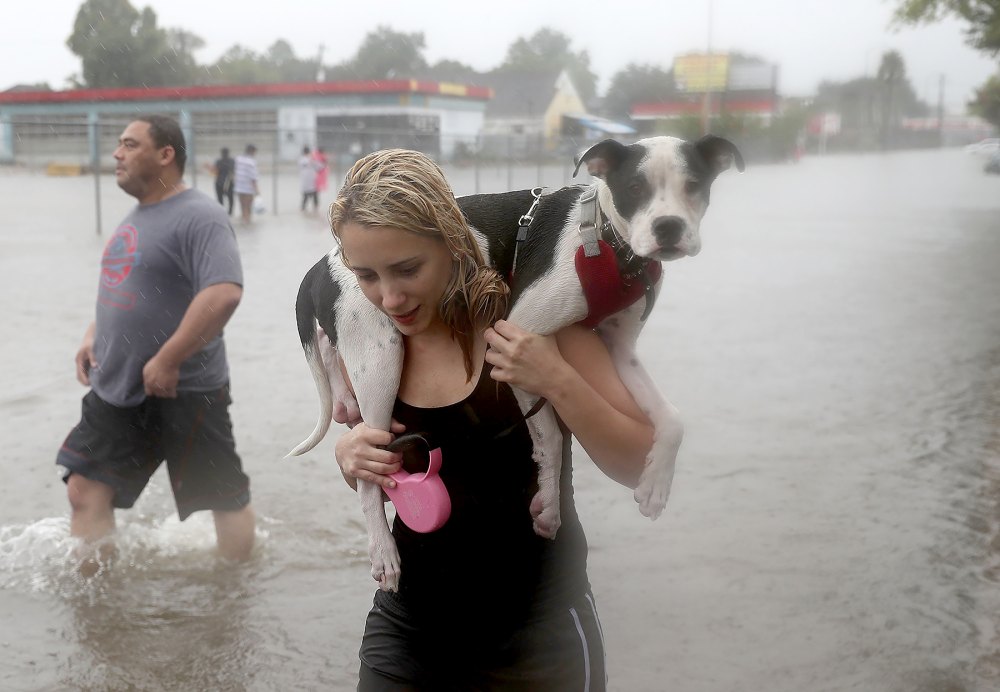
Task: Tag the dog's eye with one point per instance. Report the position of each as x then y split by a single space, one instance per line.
692 186
634 189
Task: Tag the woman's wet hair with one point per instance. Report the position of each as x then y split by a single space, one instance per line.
399 188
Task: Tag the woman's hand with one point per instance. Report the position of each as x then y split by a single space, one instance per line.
524 360
574 371
360 454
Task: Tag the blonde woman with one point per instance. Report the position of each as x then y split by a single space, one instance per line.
483 602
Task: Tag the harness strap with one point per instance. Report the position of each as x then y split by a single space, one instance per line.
522 226
589 234
632 267
534 409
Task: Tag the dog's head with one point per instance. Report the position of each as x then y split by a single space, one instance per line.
659 189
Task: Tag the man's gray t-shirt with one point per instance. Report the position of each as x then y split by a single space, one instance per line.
160 257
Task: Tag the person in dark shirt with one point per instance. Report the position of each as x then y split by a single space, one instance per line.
483 602
223 169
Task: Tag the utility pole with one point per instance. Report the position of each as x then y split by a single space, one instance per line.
706 104
940 111
320 72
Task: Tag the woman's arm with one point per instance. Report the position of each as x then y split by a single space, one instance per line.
574 371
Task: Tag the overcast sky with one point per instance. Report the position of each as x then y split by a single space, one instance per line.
811 40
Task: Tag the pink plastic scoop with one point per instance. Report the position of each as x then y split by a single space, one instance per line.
421 500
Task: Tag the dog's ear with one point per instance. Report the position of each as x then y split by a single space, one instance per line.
604 156
719 153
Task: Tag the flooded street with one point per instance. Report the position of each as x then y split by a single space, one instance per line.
835 518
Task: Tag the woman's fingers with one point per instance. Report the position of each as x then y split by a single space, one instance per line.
376 471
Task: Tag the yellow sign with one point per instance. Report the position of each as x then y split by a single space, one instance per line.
700 72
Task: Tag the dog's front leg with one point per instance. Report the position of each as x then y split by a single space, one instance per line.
658 474
373 355
546 439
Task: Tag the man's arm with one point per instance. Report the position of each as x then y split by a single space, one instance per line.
85 356
204 319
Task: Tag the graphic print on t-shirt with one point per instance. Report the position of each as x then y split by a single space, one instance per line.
120 255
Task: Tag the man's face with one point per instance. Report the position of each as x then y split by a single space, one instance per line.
139 162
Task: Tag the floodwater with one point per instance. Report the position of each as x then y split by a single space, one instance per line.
835 518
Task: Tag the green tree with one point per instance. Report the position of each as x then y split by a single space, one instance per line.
120 46
546 49
288 67
454 70
278 63
982 16
387 54
637 84
891 77
987 102
181 46
240 65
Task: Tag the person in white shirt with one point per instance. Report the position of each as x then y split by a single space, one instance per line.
245 181
309 168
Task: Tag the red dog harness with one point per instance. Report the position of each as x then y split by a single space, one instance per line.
611 275
607 291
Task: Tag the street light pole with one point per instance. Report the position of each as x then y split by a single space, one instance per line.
706 106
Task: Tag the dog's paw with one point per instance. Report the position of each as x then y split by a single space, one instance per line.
385 569
653 490
545 520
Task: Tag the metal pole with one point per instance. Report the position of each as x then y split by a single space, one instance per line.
274 169
510 163
538 153
940 111
475 159
185 123
94 133
707 101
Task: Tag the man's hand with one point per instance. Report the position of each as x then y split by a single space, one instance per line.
159 377
85 360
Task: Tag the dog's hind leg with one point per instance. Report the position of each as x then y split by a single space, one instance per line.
345 406
373 355
658 474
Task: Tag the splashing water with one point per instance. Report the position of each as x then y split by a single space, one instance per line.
41 557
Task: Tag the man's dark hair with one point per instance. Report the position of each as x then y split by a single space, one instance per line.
251 149
166 132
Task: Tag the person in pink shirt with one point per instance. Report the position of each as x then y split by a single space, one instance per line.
322 169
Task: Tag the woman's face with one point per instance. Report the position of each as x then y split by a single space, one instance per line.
403 274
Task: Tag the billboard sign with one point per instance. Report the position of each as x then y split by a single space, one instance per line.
753 77
701 72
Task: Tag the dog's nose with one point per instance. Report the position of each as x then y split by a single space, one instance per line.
668 230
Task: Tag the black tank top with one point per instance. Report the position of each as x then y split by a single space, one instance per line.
486 561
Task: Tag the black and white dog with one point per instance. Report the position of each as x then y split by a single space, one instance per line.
585 254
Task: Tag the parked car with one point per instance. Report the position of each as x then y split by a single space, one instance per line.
987 146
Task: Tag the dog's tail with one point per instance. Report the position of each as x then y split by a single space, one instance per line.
311 338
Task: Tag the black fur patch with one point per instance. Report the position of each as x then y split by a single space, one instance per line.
496 215
629 188
317 290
